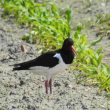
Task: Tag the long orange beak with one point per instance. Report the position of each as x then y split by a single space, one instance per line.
73 49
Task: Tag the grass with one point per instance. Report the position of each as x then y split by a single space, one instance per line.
50 26
89 61
103 21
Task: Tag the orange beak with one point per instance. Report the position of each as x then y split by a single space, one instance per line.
73 49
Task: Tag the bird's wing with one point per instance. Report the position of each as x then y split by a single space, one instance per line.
45 60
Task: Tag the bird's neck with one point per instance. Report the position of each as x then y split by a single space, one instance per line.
67 55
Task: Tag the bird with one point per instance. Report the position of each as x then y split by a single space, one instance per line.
50 63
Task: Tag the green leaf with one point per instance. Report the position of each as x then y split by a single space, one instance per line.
93 43
68 15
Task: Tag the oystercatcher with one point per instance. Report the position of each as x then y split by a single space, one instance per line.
50 63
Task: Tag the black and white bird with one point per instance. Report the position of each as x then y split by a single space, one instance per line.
50 63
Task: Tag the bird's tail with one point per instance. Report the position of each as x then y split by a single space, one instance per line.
23 66
19 66
16 67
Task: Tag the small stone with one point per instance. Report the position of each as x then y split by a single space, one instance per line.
21 83
66 84
24 97
57 84
30 107
70 86
62 93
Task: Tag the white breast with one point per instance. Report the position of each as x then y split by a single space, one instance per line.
59 67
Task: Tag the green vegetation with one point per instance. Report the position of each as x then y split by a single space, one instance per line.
104 24
89 61
49 25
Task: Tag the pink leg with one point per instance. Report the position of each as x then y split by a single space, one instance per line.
46 86
50 84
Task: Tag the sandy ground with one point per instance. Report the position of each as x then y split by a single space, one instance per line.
25 91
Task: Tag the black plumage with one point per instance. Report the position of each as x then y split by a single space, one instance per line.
45 60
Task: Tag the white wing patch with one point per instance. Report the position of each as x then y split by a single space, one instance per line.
57 55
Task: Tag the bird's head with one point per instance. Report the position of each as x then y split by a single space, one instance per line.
68 45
